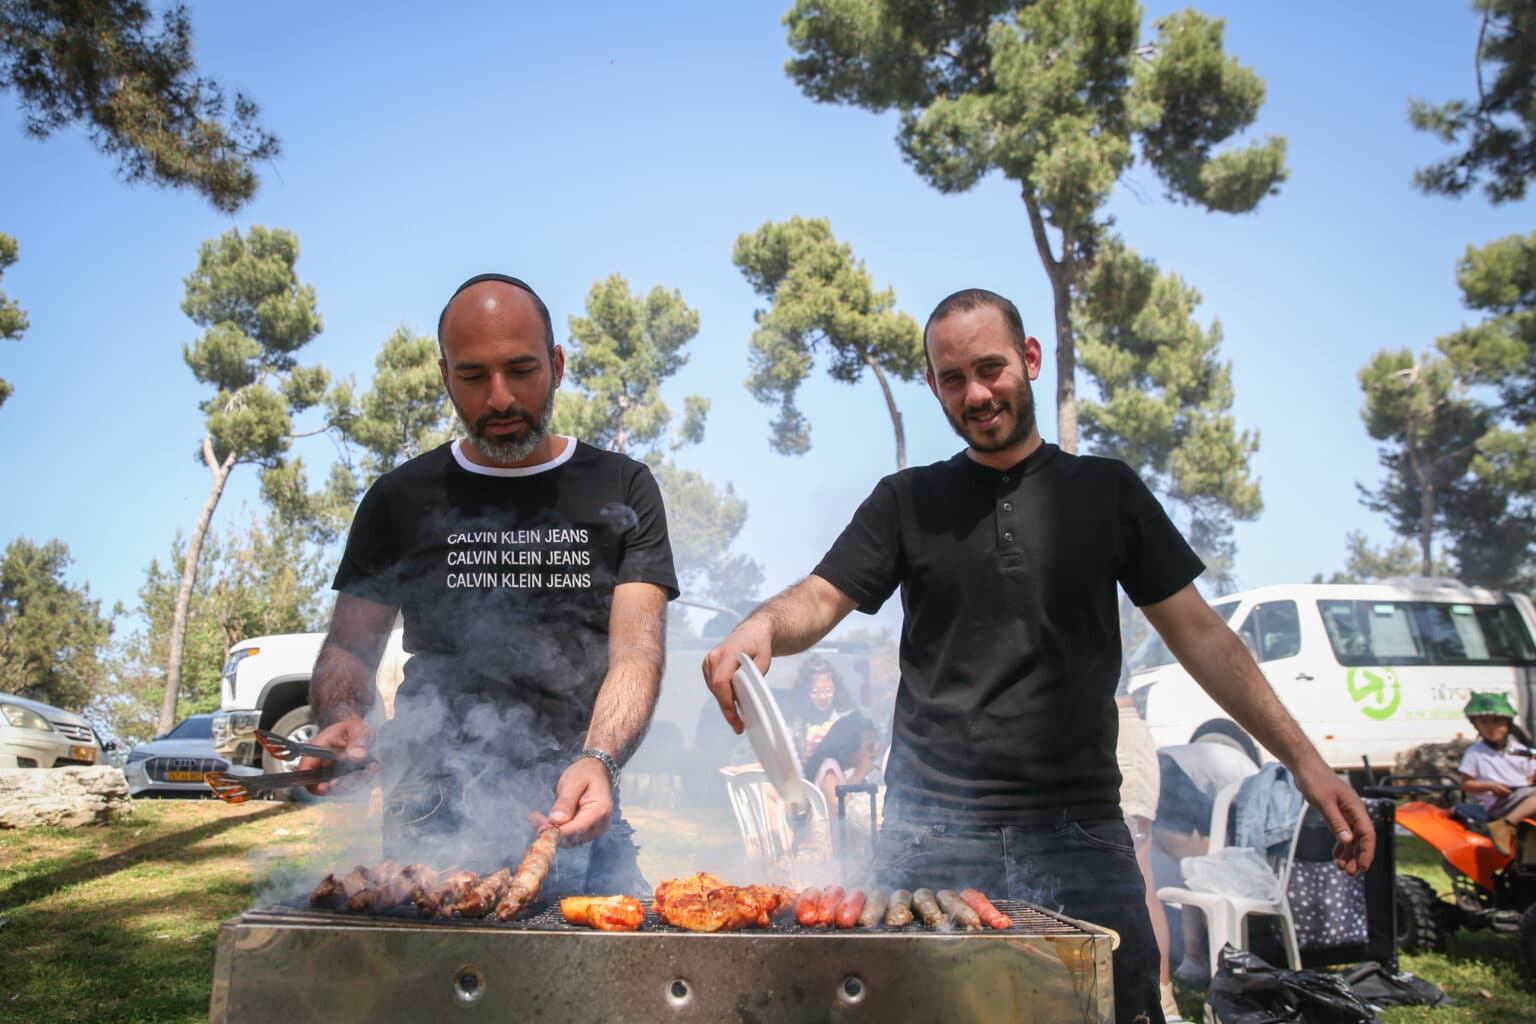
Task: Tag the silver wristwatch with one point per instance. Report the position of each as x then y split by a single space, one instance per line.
607 761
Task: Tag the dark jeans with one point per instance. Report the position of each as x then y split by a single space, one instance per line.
1081 867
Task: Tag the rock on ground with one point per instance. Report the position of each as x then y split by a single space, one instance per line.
62 797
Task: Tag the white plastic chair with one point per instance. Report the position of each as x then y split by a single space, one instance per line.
1226 917
773 847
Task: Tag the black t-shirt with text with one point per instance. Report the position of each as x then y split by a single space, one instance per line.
1010 644
505 579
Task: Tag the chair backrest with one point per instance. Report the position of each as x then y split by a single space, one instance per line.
1221 807
774 849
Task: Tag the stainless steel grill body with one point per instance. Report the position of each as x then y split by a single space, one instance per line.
306 965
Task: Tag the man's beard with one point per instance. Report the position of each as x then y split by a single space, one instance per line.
1023 408
510 449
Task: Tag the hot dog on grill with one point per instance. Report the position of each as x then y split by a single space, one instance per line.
805 906
874 909
899 914
962 912
925 903
990 915
831 896
849 910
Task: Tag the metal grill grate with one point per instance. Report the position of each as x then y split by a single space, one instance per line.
1028 919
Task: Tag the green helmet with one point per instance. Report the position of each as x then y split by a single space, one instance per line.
1489 704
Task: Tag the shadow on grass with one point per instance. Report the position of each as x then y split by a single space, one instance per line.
169 848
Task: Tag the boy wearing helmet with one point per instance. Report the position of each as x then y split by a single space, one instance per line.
1498 771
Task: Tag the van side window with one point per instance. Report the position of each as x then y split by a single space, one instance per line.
1425 633
1272 630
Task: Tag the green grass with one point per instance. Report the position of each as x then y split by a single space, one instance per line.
1479 969
117 924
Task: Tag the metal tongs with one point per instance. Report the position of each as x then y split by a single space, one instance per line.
237 789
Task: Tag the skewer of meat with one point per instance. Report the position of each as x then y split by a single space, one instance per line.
442 900
530 874
325 893
899 914
965 916
367 898
338 892
606 913
482 896
397 890
990 915
874 909
925 903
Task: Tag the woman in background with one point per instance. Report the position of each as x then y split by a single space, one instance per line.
818 701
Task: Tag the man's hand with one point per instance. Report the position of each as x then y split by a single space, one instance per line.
1341 807
583 807
752 637
350 738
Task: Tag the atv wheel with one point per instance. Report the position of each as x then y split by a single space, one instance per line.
1528 944
1421 917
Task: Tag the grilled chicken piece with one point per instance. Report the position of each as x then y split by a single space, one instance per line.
482 896
530 874
398 889
325 893
338 892
367 898
704 903
607 913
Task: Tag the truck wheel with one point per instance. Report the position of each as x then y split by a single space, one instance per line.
1228 734
300 726
1421 917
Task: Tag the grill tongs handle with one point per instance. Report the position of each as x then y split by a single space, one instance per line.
237 789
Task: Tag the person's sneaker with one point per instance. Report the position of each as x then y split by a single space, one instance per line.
1192 973
1502 833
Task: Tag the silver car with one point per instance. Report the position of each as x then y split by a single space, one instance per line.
38 735
174 764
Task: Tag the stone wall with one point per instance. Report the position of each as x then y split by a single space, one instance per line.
62 797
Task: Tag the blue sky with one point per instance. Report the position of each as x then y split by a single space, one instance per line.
566 143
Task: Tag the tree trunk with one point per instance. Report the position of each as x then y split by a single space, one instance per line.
890 406
178 639
1059 272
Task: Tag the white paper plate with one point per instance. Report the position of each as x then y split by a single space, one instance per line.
770 737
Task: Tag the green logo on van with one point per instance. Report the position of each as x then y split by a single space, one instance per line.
1375 691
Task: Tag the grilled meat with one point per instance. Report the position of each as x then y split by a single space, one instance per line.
849 910
530 874
482 896
873 913
899 914
444 898
367 897
705 903
990 915
607 913
925 903
964 915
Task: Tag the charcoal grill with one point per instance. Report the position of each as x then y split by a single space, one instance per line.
296 963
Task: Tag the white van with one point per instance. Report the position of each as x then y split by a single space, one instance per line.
1368 670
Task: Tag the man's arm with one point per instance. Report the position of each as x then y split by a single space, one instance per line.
1216 658
622 713
787 623
342 686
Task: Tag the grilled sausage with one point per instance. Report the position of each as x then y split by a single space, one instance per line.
831 896
955 907
849 910
899 914
990 915
925 903
874 909
805 906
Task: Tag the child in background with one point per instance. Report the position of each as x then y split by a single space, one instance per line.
1498 771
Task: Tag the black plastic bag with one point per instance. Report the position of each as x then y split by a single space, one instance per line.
1247 990
1379 987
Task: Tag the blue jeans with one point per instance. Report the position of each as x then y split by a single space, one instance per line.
1082 867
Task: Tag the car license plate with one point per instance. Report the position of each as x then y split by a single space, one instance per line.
183 776
83 754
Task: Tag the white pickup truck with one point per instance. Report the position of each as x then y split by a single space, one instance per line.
266 686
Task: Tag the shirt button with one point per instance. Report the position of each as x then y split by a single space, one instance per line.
1007 538
1007 506
1005 478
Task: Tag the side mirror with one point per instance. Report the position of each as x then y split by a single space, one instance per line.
109 745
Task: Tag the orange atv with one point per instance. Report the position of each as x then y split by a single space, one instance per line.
1490 889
